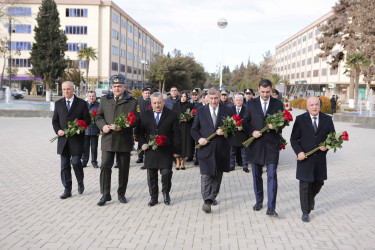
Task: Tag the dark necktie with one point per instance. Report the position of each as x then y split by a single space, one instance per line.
116 99
157 118
238 111
265 108
68 105
214 117
314 123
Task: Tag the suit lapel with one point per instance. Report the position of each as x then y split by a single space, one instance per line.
208 113
164 115
309 122
322 120
219 115
259 106
243 111
270 105
74 104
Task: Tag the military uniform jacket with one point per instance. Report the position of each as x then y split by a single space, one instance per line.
168 125
61 116
304 139
265 149
214 157
109 110
240 135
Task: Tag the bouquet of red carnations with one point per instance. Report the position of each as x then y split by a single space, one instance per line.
155 142
283 143
125 121
74 127
92 115
229 126
334 141
188 115
237 119
278 120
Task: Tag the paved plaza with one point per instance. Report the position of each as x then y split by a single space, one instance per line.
33 216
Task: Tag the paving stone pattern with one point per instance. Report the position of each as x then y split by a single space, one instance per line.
33 216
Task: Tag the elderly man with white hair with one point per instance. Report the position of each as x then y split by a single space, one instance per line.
69 108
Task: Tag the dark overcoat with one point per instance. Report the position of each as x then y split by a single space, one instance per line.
92 129
215 156
187 142
197 105
168 125
265 149
61 116
240 136
109 110
144 104
304 139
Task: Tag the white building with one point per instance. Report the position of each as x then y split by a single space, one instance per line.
122 44
297 62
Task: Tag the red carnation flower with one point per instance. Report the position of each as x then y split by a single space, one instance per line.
150 107
282 146
236 117
131 113
285 111
290 109
94 113
239 123
82 123
286 105
193 111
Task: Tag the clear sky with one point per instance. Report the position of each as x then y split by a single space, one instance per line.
254 26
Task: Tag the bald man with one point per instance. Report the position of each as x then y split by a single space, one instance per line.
309 130
70 148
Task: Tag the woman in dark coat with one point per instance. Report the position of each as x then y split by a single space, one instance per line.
187 149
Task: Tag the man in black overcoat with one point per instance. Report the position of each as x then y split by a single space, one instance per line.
239 137
213 156
197 103
159 121
264 150
309 130
67 109
144 104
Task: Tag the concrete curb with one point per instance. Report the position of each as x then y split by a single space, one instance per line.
366 121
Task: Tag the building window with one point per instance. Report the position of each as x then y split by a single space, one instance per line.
20 46
130 42
135 45
139 72
293 65
317 32
130 27
297 76
292 76
123 23
294 54
114 50
115 34
75 46
75 12
122 68
302 75
20 28
123 53
304 38
324 59
308 74
129 69
299 41
309 48
78 64
135 32
130 56
20 62
317 46
334 53
324 72
134 70
294 43
76 30
310 35
140 35
115 17
303 50
308 61
303 62
19 11
140 48
316 73
333 71
148 40
288 66
114 66
298 52
298 64
316 59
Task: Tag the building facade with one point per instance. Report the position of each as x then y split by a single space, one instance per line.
122 44
297 61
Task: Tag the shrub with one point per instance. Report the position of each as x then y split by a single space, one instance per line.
325 108
136 93
296 102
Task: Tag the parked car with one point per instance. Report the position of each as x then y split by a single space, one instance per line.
17 94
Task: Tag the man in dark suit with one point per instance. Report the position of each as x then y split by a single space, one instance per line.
144 103
309 130
264 150
197 103
172 99
159 121
239 137
213 156
333 104
91 134
115 140
70 148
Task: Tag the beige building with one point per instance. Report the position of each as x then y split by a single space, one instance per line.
297 62
122 44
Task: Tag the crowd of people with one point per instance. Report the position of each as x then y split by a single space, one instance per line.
158 114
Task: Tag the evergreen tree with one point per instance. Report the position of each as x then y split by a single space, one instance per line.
48 50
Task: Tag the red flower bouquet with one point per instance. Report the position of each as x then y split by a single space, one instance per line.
93 114
188 115
333 141
125 121
74 127
155 142
283 143
278 120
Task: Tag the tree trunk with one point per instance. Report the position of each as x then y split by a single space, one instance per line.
159 85
351 89
87 76
367 90
47 82
163 89
356 83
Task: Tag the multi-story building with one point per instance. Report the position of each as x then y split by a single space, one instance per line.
297 61
122 44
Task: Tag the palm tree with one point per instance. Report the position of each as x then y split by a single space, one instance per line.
87 54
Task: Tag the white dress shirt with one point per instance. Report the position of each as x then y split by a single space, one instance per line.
262 103
317 120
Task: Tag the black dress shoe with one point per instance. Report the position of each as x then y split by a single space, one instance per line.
139 161
305 218
115 165
104 199
196 163
122 199
214 202
143 167
84 165
167 199
246 170
95 166
65 195
81 188
271 211
206 207
153 202
258 206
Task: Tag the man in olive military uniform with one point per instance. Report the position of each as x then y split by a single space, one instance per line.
115 141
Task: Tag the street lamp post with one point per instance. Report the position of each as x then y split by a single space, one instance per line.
222 23
143 61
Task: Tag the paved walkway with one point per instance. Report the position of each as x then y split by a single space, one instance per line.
33 216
